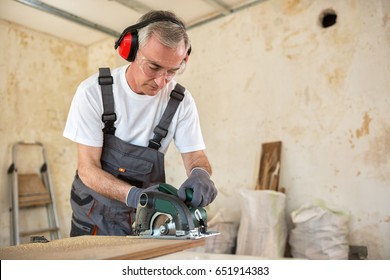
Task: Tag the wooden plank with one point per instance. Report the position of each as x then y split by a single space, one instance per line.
269 166
97 247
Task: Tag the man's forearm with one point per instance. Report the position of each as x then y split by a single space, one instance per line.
196 159
104 183
91 173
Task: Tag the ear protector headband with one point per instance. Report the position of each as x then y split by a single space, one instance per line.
127 44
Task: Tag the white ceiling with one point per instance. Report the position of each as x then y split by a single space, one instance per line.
111 15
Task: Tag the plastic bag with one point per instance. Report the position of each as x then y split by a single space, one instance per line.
263 229
319 233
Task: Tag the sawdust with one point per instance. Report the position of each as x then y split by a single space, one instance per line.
97 247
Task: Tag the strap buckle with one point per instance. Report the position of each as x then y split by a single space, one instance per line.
109 129
105 80
177 95
109 120
160 131
109 117
154 144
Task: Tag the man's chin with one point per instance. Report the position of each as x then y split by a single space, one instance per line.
151 91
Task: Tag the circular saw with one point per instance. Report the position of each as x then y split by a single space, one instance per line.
161 214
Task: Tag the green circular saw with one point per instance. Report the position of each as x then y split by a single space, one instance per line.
161 214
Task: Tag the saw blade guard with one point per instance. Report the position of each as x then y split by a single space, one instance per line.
199 214
157 202
162 213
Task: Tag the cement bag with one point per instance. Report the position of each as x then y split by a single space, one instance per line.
319 233
263 229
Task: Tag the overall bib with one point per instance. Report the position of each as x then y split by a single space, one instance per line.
94 214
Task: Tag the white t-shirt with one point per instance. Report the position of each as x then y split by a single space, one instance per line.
137 116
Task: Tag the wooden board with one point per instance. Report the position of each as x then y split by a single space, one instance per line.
268 178
97 247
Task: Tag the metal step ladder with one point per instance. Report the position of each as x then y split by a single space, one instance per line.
31 187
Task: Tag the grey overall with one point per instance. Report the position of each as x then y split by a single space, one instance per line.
94 214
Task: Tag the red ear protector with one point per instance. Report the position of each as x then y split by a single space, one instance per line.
127 44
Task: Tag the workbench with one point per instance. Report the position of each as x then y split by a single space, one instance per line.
98 248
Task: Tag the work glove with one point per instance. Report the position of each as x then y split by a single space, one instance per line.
204 191
135 193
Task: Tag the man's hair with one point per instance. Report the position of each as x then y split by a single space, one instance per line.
168 33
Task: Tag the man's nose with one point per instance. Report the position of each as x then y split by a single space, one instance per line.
161 80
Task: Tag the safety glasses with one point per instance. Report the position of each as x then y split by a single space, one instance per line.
154 70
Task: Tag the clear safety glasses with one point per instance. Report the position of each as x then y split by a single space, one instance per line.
154 70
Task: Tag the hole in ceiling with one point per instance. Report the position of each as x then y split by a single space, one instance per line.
328 18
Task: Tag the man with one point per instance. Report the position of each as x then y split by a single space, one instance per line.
124 123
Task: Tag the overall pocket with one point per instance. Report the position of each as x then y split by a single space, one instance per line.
129 168
82 204
79 228
94 214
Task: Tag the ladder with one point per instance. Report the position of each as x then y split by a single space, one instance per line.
30 187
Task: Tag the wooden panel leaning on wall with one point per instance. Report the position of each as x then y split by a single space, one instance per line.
269 171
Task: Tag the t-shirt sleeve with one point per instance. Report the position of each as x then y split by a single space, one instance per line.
84 123
188 136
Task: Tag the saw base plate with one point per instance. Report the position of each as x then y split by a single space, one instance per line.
174 237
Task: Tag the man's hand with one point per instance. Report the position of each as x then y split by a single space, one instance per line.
204 190
135 193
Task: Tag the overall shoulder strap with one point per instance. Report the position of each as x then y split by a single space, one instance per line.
109 116
161 130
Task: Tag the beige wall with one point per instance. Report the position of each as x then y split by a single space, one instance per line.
38 75
272 73
267 73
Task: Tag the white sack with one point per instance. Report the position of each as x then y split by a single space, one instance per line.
319 233
263 229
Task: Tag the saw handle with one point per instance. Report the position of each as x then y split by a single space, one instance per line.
189 193
169 189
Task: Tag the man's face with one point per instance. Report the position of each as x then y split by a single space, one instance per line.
154 66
